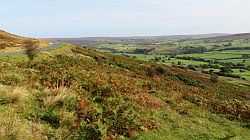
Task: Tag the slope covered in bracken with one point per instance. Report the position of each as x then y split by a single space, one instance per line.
10 40
11 43
78 93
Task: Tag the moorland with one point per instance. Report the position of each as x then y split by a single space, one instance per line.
107 91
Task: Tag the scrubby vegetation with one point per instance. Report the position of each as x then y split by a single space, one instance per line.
78 93
13 43
202 54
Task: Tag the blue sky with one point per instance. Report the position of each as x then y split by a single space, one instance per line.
79 18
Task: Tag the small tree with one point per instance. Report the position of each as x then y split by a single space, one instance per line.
213 77
31 48
157 59
226 70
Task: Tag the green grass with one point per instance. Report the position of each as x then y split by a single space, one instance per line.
118 47
175 61
145 57
168 62
245 74
184 62
237 61
213 55
209 125
236 52
215 70
17 58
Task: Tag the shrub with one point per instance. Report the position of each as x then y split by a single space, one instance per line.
2 47
160 70
188 81
179 63
157 59
154 70
51 117
150 71
102 91
234 109
225 70
12 79
86 112
31 48
213 77
242 70
122 123
89 132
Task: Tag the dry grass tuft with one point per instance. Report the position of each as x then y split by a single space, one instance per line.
58 97
12 95
13 128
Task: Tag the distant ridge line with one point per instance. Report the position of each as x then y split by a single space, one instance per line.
167 37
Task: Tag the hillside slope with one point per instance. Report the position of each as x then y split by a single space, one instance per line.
10 40
242 36
78 93
11 43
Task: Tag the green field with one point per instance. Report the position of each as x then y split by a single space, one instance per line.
217 51
214 55
165 59
245 74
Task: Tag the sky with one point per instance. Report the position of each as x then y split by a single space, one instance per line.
81 18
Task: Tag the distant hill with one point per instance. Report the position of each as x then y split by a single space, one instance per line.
135 38
231 37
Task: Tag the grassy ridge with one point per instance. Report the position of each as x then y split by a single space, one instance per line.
77 93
